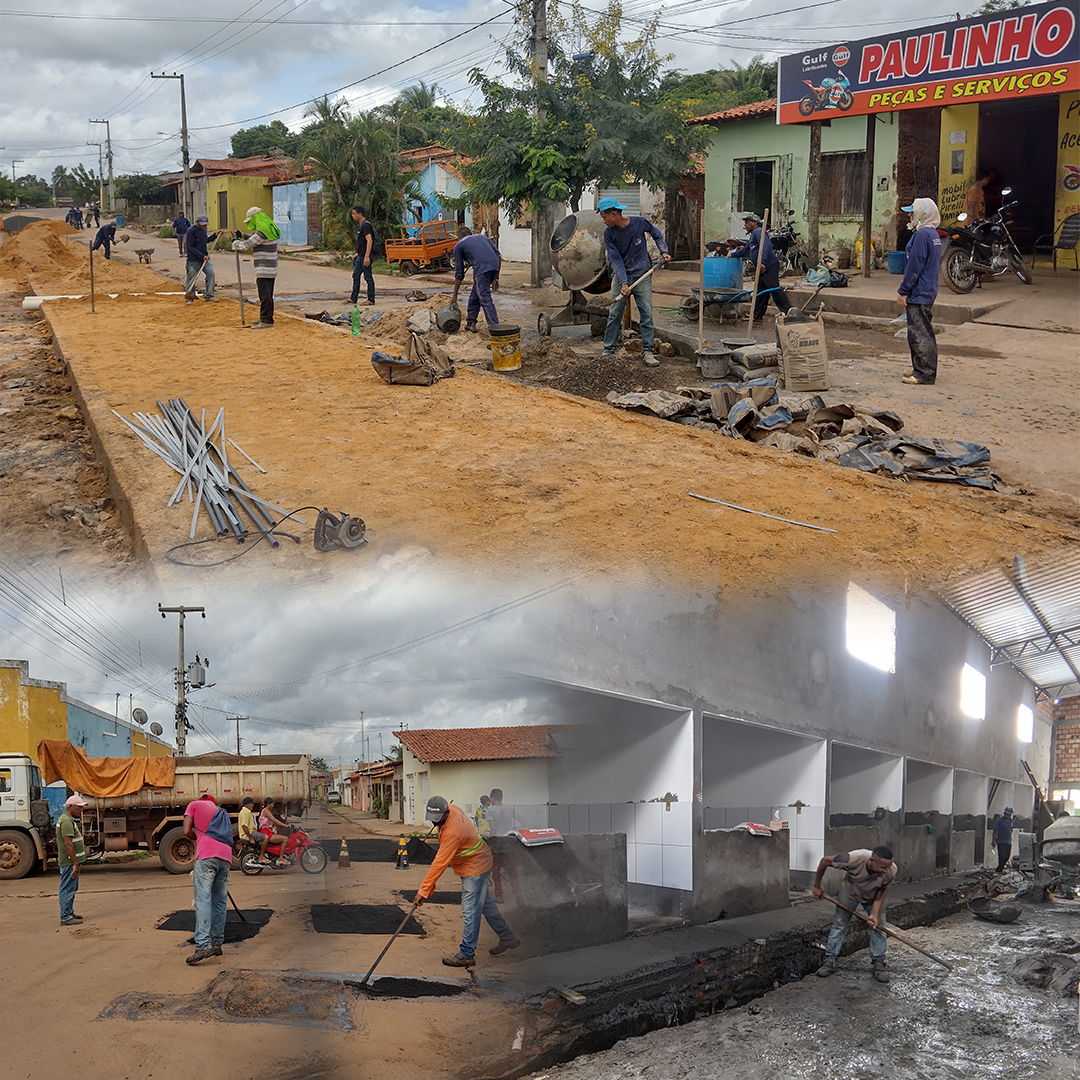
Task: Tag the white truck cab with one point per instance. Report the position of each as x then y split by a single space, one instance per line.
21 842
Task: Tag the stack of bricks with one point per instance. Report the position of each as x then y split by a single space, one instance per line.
1066 752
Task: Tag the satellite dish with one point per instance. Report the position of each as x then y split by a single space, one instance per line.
139 716
156 728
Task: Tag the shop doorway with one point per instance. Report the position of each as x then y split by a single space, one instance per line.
1018 139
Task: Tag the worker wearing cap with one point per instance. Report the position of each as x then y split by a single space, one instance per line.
262 243
1001 838
867 877
918 290
70 852
105 236
769 282
461 848
629 259
197 246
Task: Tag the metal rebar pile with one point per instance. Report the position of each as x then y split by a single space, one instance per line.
185 445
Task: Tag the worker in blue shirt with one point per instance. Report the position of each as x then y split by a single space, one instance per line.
629 260
106 236
483 256
769 281
918 290
1002 837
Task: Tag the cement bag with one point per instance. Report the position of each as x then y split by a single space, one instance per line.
804 355
421 364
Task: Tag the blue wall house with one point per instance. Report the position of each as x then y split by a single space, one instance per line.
439 176
298 211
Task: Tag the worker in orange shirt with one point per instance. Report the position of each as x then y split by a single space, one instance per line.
461 848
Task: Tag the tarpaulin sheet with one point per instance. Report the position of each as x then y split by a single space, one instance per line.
102 777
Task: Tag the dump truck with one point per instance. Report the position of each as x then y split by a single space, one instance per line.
150 818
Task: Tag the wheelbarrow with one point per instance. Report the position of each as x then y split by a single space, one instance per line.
721 298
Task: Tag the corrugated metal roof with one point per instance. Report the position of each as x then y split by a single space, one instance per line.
1030 617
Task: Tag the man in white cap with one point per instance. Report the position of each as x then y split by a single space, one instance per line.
629 259
918 290
461 848
70 852
262 243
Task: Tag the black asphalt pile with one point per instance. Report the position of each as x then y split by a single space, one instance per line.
854 436
392 987
235 929
361 919
362 850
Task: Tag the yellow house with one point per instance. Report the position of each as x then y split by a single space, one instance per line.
33 709
231 186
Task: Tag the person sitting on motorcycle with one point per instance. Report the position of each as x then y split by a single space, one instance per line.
975 200
246 826
267 821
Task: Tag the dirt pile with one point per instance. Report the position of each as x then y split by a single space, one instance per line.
59 266
390 325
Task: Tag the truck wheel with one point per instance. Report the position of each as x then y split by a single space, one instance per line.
17 855
408 267
177 852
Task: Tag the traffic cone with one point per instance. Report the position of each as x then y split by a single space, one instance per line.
402 854
343 856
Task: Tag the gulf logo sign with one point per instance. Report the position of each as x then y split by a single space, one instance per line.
841 56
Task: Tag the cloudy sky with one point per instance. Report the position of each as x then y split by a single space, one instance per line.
251 62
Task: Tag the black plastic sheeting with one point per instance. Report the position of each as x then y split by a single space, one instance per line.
444 897
362 849
915 458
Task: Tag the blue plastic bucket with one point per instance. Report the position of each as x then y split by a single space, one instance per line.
897 261
120 219
723 273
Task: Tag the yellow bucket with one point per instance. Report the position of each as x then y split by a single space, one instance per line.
505 347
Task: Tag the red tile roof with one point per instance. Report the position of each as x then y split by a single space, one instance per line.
263 165
740 112
482 744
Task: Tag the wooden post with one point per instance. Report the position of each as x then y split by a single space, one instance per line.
701 280
757 272
813 194
868 199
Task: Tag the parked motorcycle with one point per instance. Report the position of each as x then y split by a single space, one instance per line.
300 848
831 94
785 242
970 250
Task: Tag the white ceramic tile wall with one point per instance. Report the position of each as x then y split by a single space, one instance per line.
623 820
678 867
579 818
650 864
676 824
600 818
648 820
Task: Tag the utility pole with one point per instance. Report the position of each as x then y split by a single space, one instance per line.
238 719
868 197
100 173
260 745
181 679
543 212
363 754
108 155
813 195
185 195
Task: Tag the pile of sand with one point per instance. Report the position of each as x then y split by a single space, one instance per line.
58 265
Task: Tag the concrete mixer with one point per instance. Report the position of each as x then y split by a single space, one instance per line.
580 264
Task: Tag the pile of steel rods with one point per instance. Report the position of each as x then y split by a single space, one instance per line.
211 483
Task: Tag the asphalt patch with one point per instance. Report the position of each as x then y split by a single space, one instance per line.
446 897
235 930
362 850
361 919
387 986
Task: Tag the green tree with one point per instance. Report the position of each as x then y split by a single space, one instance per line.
714 91
83 185
320 764
138 189
598 120
60 180
273 138
356 159
33 191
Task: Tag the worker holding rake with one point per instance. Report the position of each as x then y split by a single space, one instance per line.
867 877
461 849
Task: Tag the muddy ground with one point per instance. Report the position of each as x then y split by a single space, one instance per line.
994 1017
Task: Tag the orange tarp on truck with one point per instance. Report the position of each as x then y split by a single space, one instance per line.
103 777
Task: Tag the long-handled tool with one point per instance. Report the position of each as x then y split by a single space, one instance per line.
892 933
363 983
189 292
233 902
757 272
239 283
643 277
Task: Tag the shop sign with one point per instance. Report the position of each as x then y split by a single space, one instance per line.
1010 54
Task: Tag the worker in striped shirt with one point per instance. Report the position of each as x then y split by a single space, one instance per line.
262 243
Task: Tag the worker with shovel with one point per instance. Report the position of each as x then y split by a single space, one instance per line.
461 848
867 877
196 244
631 265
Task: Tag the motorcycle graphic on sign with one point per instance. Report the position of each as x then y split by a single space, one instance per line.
1071 180
831 94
